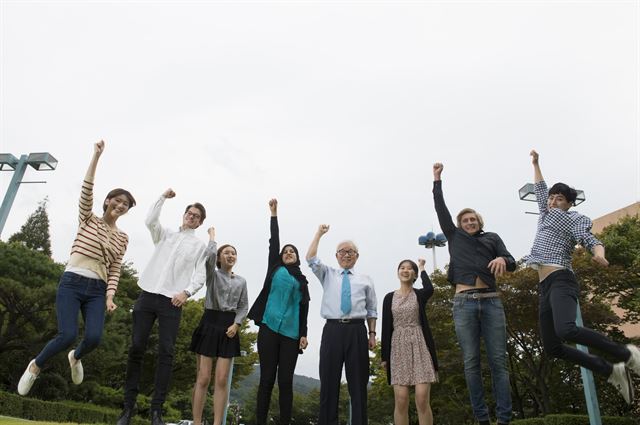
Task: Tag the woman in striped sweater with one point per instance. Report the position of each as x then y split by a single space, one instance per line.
90 279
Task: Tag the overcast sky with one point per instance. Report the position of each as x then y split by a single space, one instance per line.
337 109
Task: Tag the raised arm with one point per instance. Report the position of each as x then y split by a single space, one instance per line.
153 217
312 252
274 241
98 148
444 216
427 286
86 193
540 186
537 173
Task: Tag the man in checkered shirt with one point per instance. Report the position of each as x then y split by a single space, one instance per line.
559 230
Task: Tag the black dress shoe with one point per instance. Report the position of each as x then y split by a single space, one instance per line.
125 416
156 418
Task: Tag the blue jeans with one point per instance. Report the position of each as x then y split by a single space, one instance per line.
77 294
484 318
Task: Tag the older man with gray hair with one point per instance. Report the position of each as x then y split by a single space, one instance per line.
348 299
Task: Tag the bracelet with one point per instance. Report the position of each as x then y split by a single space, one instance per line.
372 332
188 294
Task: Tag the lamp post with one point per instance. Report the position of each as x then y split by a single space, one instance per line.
431 240
527 193
41 161
229 379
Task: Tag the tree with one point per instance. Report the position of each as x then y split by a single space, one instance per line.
27 315
34 233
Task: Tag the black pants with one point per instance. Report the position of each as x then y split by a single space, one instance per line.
343 344
147 309
558 300
278 354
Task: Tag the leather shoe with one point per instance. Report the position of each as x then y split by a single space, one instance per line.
125 416
156 418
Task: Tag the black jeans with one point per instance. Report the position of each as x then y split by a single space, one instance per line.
147 309
558 301
278 354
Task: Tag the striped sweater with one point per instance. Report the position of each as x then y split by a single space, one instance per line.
97 246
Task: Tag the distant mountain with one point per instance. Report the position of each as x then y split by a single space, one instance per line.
301 384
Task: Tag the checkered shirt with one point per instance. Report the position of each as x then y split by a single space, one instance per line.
558 233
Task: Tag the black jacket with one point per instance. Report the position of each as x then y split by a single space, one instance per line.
423 296
275 261
470 254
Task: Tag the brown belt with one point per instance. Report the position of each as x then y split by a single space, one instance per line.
477 295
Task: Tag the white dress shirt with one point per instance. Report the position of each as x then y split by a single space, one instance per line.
364 303
178 262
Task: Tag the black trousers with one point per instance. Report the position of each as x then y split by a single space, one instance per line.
278 355
558 301
343 344
147 309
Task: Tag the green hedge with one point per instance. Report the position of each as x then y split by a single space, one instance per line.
576 420
64 411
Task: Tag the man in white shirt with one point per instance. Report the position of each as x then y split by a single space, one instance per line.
175 272
348 301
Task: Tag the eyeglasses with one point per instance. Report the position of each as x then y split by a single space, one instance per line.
350 252
194 215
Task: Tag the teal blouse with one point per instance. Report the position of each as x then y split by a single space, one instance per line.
282 313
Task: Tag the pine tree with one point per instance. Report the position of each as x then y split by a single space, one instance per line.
34 233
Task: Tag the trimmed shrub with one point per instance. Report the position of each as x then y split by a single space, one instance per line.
10 404
529 421
67 411
34 409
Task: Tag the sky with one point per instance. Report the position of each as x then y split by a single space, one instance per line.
337 109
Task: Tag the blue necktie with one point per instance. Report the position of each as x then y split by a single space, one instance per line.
345 299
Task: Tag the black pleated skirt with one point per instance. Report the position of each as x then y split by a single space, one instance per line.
210 338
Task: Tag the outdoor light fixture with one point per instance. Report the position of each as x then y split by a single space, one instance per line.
40 161
431 240
8 161
526 193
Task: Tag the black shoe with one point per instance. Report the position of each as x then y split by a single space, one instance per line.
125 416
156 418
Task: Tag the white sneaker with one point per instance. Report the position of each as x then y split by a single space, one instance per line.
634 361
27 379
621 379
77 372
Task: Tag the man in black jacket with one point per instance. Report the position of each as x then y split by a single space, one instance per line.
477 258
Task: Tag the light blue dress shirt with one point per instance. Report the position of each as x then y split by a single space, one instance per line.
364 303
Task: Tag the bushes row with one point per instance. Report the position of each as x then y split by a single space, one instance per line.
576 420
63 411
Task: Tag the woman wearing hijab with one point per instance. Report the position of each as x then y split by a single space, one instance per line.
281 313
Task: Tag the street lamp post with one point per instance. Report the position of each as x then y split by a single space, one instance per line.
431 240
40 161
229 379
527 193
